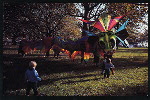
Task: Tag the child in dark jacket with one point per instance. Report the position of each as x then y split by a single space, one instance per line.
108 65
107 55
103 65
32 78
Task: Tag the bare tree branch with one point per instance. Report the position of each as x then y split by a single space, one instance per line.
77 15
93 6
97 15
140 4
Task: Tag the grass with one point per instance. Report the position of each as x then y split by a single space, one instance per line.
62 77
124 82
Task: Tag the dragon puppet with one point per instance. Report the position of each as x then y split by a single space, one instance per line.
43 45
105 41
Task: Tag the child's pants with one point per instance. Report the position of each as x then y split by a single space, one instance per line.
107 73
103 71
31 85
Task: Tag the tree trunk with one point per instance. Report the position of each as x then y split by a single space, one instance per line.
14 40
85 26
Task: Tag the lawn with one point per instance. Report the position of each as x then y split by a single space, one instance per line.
63 77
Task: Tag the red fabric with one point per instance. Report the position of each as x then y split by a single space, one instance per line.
86 21
28 46
86 56
68 53
75 53
114 21
27 49
101 53
99 26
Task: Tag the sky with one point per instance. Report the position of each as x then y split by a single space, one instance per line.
143 27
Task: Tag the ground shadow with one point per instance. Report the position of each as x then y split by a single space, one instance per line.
14 67
51 81
136 90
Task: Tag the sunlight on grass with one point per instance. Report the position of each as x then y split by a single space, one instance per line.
95 85
131 53
124 82
130 79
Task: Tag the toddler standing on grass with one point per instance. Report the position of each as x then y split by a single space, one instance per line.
107 55
32 78
108 66
103 65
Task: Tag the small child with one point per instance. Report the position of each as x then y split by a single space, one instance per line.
108 67
32 78
107 55
103 66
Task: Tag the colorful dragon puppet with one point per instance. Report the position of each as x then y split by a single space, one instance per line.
105 41
108 39
43 45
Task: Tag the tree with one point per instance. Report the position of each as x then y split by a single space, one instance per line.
34 20
91 11
38 20
138 18
70 29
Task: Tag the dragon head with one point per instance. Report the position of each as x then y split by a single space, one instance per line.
107 40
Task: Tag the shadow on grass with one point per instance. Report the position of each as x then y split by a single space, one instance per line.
136 90
51 81
15 66
129 63
70 82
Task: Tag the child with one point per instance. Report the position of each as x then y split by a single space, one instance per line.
108 66
103 66
32 78
109 56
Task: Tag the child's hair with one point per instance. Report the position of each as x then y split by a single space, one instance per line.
108 60
32 64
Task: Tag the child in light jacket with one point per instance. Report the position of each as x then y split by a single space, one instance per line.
32 78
